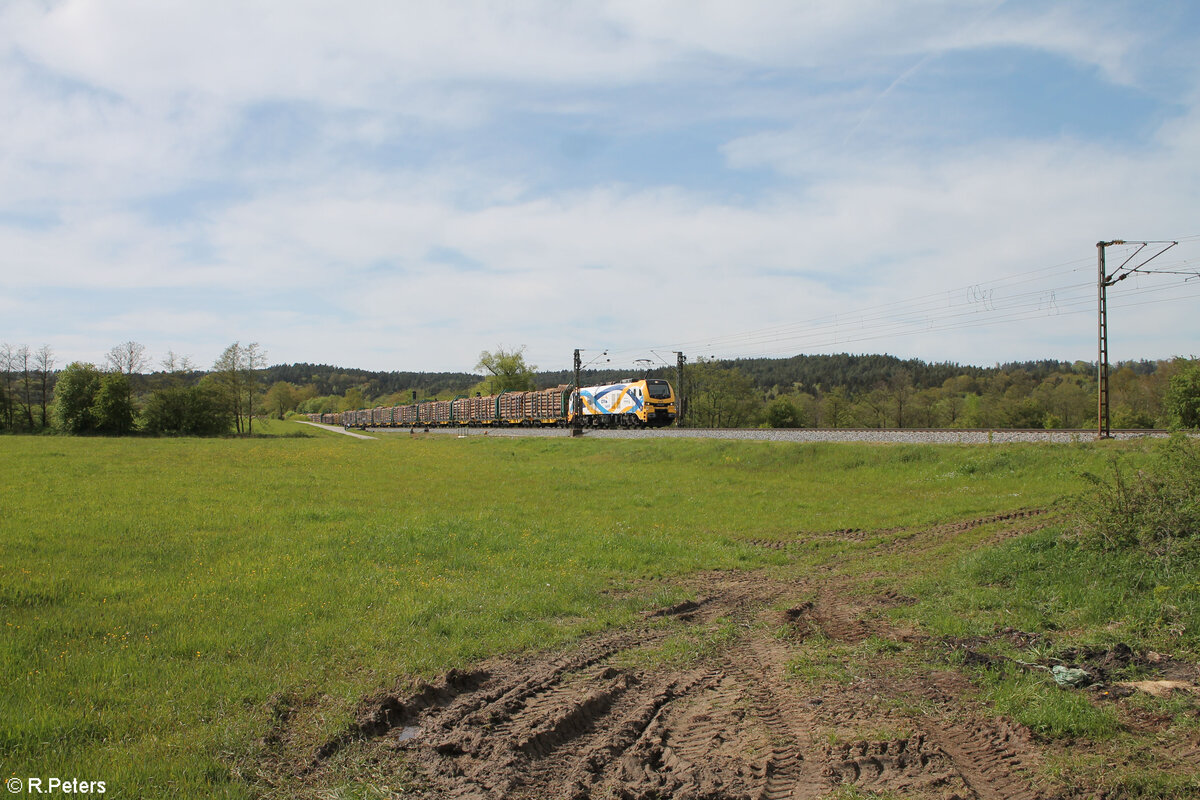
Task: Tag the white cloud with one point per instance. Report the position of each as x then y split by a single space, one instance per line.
245 51
674 266
121 108
370 52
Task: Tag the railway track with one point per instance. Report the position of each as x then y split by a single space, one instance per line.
895 435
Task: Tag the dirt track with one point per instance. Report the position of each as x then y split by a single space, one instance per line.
741 714
338 429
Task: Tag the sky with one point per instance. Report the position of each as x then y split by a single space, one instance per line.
395 185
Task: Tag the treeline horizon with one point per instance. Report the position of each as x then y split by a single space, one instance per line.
833 390
854 372
837 390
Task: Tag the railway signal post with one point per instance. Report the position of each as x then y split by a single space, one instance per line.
681 359
1104 280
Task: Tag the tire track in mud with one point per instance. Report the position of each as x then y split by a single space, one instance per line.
911 765
589 723
987 756
895 539
512 734
785 773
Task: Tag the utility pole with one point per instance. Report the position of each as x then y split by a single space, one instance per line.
1103 281
1102 284
681 359
577 402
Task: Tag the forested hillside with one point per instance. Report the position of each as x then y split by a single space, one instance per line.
876 391
327 380
870 391
839 390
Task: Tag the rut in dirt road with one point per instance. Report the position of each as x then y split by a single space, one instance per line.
591 723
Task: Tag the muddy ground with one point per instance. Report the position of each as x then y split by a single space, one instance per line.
759 688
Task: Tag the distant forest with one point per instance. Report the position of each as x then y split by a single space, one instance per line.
840 390
854 373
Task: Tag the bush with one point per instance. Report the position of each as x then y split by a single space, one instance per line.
1182 398
187 411
112 408
89 401
1156 509
783 413
74 397
1125 418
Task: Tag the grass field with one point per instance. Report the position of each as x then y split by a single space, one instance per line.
157 594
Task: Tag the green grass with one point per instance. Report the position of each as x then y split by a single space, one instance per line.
1047 582
157 594
819 660
1050 712
685 646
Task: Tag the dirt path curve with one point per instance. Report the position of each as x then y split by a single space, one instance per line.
337 429
623 715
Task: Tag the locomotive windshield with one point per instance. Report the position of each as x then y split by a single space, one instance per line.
659 389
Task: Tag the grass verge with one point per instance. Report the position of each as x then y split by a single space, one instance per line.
160 595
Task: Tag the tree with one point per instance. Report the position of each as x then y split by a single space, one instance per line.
175 369
783 413
974 414
323 405
509 372
900 392
281 398
128 358
176 365
1024 413
5 407
26 383
870 410
353 400
254 358
75 396
44 364
922 409
1182 398
720 397
835 408
7 370
112 408
229 375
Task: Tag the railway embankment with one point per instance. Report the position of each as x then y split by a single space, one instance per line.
805 435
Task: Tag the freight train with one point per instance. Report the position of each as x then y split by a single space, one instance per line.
649 402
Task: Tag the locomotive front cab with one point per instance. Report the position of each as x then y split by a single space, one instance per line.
659 408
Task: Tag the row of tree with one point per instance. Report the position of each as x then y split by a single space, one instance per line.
26 386
119 398
721 394
503 370
836 391
867 391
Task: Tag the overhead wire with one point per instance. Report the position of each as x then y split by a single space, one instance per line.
1018 316
933 300
843 325
968 306
928 312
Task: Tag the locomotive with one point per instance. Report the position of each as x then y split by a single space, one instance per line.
649 402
